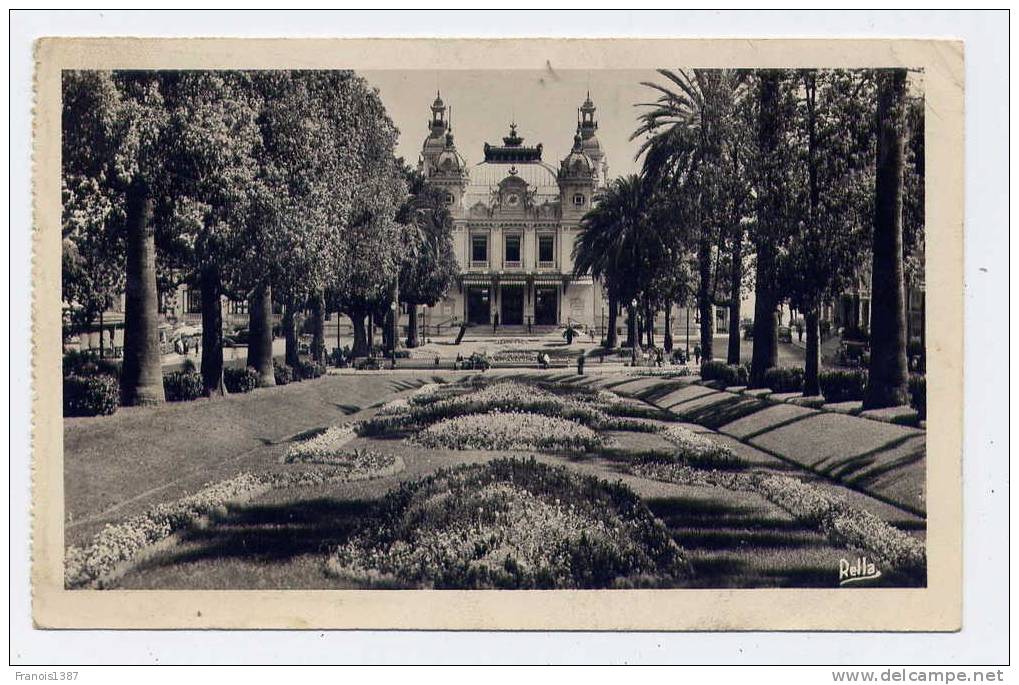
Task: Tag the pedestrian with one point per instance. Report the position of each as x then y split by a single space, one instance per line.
528 325
697 354
661 359
495 322
580 364
459 361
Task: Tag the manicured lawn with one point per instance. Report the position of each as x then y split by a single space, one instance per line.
282 539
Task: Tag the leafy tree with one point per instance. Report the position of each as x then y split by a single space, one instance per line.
689 128
112 160
887 383
772 164
211 139
832 187
429 267
613 244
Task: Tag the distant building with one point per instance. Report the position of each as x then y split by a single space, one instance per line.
516 218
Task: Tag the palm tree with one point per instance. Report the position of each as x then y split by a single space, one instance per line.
612 244
687 128
887 384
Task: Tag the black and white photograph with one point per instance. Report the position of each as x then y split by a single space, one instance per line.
481 329
497 335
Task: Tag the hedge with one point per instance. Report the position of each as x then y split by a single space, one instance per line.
306 370
88 363
843 385
284 373
918 394
182 386
784 378
94 395
239 380
730 374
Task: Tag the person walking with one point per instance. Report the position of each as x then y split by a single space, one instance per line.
697 354
580 364
528 325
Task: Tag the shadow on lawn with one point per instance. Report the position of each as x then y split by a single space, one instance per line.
272 532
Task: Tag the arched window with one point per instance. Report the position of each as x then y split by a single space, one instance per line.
579 200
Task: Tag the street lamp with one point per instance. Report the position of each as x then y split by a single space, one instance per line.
395 332
633 332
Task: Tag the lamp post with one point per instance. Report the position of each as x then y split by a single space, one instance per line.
633 332
688 333
395 333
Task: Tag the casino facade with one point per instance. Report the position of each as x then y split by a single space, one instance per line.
516 218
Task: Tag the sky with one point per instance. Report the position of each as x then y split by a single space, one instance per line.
543 103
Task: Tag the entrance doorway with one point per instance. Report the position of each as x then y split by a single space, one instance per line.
479 306
546 305
512 305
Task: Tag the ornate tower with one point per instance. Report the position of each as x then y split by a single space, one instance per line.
435 143
587 126
577 180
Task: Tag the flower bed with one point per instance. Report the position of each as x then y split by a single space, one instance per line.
322 445
508 431
512 524
832 514
118 544
496 397
697 450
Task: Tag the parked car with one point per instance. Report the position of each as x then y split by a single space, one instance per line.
853 353
785 334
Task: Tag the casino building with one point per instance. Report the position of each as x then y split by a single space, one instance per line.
516 217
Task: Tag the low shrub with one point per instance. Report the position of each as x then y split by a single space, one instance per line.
240 379
508 431
325 444
307 370
88 363
182 386
512 524
729 374
784 378
284 373
94 395
918 394
843 385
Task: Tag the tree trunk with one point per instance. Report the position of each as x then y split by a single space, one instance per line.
631 326
812 366
292 354
769 227
611 336
667 342
704 298
413 338
141 377
318 331
260 335
735 295
360 347
887 384
212 332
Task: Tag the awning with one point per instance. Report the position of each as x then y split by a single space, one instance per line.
513 278
475 279
548 279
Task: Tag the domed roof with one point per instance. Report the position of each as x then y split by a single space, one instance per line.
577 163
438 104
449 161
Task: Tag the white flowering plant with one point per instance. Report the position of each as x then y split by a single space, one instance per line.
512 430
842 522
512 524
118 544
